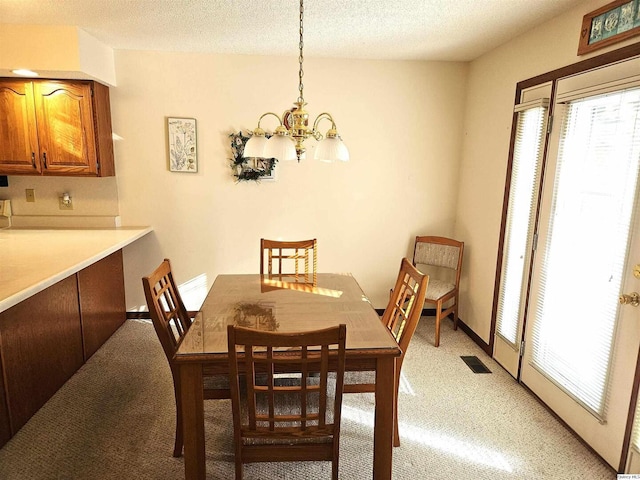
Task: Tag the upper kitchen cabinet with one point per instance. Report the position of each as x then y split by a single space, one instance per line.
55 127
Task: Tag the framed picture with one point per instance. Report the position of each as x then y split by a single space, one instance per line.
255 169
613 23
182 144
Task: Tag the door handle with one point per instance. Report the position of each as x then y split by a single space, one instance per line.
632 299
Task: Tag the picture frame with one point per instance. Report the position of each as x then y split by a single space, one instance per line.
610 24
264 167
256 169
182 144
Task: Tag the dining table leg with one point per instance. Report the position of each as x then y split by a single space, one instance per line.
383 427
191 393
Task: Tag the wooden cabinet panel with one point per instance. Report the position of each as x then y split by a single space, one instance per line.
55 127
102 301
18 136
65 127
5 428
41 346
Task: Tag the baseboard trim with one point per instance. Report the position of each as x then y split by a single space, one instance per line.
475 337
431 312
426 312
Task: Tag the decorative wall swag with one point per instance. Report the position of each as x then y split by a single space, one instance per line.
252 168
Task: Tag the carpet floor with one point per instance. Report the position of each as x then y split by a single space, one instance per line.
115 418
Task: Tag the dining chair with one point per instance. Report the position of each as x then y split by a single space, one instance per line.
297 419
441 259
287 258
171 322
401 318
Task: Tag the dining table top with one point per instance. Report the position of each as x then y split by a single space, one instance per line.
285 304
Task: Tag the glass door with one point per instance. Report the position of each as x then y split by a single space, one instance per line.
581 345
519 238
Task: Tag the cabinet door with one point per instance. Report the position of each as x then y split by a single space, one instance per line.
65 128
18 136
5 426
102 302
41 348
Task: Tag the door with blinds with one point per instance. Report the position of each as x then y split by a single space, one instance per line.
581 344
522 208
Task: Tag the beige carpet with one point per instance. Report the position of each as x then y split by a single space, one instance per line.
115 420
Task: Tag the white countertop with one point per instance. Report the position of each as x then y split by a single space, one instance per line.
34 259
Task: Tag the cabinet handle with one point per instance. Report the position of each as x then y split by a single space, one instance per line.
33 159
44 157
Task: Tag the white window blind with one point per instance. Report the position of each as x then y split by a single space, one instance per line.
584 256
523 194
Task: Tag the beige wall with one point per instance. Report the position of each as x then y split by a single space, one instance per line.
55 51
490 96
401 121
428 141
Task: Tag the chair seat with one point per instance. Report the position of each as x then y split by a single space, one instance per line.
359 378
441 258
438 289
287 407
215 382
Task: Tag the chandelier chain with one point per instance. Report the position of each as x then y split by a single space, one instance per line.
301 56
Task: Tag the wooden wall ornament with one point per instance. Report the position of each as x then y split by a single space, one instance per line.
610 24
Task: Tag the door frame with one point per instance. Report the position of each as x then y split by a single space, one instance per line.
553 76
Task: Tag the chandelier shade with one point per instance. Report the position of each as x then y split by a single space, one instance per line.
280 147
287 142
331 149
255 146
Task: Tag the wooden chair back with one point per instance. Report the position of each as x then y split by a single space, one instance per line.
171 322
298 418
439 252
405 306
401 318
441 259
298 259
170 318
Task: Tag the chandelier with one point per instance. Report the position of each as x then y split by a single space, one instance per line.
287 141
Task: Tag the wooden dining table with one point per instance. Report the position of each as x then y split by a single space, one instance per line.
286 305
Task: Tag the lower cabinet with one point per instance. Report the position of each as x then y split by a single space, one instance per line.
46 338
102 303
5 427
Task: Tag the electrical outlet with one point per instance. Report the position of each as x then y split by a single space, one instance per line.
65 202
30 194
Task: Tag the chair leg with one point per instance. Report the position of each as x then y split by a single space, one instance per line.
438 318
237 441
455 313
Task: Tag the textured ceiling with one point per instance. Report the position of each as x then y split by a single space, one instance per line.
456 30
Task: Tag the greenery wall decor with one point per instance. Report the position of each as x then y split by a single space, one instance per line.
247 169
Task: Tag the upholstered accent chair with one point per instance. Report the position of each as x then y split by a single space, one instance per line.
441 259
